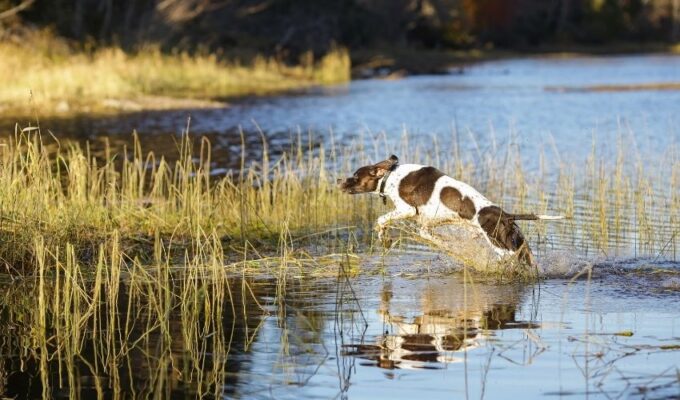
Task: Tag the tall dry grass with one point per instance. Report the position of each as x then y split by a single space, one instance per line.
67 196
138 266
45 73
124 328
283 204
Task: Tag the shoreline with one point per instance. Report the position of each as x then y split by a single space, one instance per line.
401 61
375 63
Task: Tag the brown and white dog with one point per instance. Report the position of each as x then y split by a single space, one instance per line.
436 199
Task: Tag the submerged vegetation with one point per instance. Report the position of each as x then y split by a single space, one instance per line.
47 74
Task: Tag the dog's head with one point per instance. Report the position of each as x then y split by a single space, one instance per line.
365 179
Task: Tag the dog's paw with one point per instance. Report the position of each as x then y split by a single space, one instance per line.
380 230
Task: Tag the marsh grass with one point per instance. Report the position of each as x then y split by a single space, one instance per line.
287 205
150 324
146 264
66 196
127 328
45 73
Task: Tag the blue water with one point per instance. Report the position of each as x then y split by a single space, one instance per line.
434 335
408 328
540 104
508 97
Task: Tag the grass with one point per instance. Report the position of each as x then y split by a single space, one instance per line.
289 205
66 195
133 267
135 322
45 73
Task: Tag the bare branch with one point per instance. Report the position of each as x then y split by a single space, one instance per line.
16 9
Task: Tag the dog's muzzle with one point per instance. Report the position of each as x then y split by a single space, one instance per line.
346 185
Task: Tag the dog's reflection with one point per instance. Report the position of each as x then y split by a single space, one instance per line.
449 320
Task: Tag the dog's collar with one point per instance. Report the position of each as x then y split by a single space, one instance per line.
383 182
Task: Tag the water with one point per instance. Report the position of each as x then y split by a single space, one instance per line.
408 330
407 326
536 103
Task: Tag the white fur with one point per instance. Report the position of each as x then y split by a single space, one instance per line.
433 213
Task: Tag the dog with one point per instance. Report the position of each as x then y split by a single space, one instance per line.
437 199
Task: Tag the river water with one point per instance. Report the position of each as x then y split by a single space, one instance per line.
407 326
404 328
557 105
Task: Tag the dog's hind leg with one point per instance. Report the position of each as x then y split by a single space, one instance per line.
503 234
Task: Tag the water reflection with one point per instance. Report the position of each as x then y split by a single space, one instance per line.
452 320
324 338
131 353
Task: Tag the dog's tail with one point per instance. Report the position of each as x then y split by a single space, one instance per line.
534 217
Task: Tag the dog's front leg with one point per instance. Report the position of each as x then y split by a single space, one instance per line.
391 216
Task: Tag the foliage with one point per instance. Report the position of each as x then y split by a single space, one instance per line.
288 28
65 195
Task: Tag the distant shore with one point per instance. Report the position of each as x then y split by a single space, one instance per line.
46 77
394 62
52 80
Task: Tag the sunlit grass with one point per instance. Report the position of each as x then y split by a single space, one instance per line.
131 268
288 204
46 74
63 194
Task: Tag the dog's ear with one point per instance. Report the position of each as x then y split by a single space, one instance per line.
383 166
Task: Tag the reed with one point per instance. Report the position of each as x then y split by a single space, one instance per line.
141 320
147 263
287 205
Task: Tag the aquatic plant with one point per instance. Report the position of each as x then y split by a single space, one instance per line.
288 203
134 272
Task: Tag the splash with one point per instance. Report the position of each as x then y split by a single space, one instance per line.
459 247
671 284
564 265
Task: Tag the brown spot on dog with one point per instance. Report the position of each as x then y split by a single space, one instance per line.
416 188
504 232
452 199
